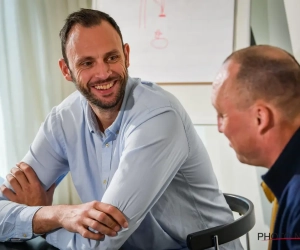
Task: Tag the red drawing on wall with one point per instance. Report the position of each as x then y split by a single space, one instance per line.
159 42
142 15
161 3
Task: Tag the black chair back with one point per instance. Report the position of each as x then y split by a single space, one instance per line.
213 237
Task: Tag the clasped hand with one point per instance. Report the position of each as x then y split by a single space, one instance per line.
92 220
27 187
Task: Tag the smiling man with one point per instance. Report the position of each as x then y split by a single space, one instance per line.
140 169
257 98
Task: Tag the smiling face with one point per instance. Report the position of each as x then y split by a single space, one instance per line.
238 123
97 64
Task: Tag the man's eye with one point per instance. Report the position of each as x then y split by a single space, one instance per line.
87 63
113 58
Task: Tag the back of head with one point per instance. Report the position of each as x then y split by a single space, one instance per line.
270 74
86 18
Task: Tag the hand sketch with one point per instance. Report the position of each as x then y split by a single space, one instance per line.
159 42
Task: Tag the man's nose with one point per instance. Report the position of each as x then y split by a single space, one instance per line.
103 70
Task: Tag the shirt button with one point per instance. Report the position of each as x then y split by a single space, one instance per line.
104 182
107 145
24 235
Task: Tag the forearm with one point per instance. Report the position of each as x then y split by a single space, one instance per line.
47 219
66 238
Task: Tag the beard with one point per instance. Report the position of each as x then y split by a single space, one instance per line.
103 105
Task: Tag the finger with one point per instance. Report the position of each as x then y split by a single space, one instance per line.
14 183
105 219
29 173
98 226
86 233
20 176
114 212
9 194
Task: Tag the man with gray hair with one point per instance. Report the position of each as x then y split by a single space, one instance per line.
257 98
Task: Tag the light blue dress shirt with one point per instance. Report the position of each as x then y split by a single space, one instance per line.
150 163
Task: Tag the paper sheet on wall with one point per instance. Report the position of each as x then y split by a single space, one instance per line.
174 40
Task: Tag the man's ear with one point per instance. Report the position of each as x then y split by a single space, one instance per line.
264 118
65 69
126 49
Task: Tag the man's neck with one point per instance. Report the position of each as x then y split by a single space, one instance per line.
106 117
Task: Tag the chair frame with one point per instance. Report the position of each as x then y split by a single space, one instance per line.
213 237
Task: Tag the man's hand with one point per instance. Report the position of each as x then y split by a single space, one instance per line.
101 217
27 187
92 220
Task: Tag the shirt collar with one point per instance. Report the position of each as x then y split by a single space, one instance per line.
115 126
285 167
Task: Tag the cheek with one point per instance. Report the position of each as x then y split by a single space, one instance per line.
82 76
232 130
224 125
241 138
120 68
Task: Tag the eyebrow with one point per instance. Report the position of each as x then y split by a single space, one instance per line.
85 58
113 52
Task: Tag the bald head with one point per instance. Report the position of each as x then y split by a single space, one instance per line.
262 51
267 73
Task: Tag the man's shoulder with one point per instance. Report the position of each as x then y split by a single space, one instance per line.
69 109
69 102
294 186
291 193
290 219
150 96
70 105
